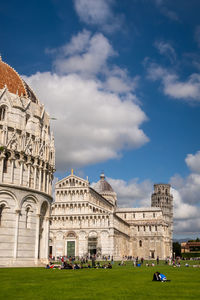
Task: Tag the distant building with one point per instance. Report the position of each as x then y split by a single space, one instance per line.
27 163
86 221
190 247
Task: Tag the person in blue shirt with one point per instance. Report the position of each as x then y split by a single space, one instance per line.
159 277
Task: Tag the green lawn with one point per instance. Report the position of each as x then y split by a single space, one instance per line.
124 282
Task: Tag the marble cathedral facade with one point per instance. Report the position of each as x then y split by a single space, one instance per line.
86 221
27 164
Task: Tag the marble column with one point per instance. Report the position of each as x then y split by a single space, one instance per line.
44 179
12 160
50 182
16 233
35 177
47 184
29 172
21 161
37 236
2 157
40 177
47 219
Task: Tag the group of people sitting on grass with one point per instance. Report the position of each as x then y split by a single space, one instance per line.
75 266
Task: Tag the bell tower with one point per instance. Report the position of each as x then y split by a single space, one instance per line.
163 199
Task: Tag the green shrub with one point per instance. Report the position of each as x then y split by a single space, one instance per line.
189 255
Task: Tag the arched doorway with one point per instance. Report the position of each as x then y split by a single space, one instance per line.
71 244
92 246
92 243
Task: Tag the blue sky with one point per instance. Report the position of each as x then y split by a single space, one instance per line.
122 78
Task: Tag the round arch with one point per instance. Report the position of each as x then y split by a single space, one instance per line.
12 195
29 196
43 209
71 234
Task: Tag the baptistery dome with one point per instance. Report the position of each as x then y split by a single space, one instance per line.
14 83
27 164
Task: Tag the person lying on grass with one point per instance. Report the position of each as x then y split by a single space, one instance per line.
159 277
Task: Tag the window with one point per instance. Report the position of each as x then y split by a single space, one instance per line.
1 212
5 163
27 118
143 215
149 228
133 215
124 216
156 228
140 243
2 113
154 215
138 228
144 228
72 182
28 218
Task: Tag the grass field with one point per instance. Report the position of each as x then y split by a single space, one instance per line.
121 282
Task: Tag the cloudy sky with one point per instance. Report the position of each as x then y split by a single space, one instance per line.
122 79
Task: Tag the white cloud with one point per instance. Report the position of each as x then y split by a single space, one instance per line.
187 199
189 188
132 193
193 162
98 12
188 90
187 228
183 211
96 119
84 54
93 12
186 217
166 49
79 43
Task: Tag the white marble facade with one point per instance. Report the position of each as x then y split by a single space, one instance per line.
27 163
86 220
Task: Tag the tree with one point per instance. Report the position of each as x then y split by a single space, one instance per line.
177 249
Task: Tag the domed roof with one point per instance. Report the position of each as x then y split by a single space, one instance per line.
15 84
102 186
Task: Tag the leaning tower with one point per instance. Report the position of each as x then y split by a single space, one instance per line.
163 199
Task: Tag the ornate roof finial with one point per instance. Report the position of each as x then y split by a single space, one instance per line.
72 171
102 176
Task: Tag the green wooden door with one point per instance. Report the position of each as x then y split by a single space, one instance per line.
71 248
